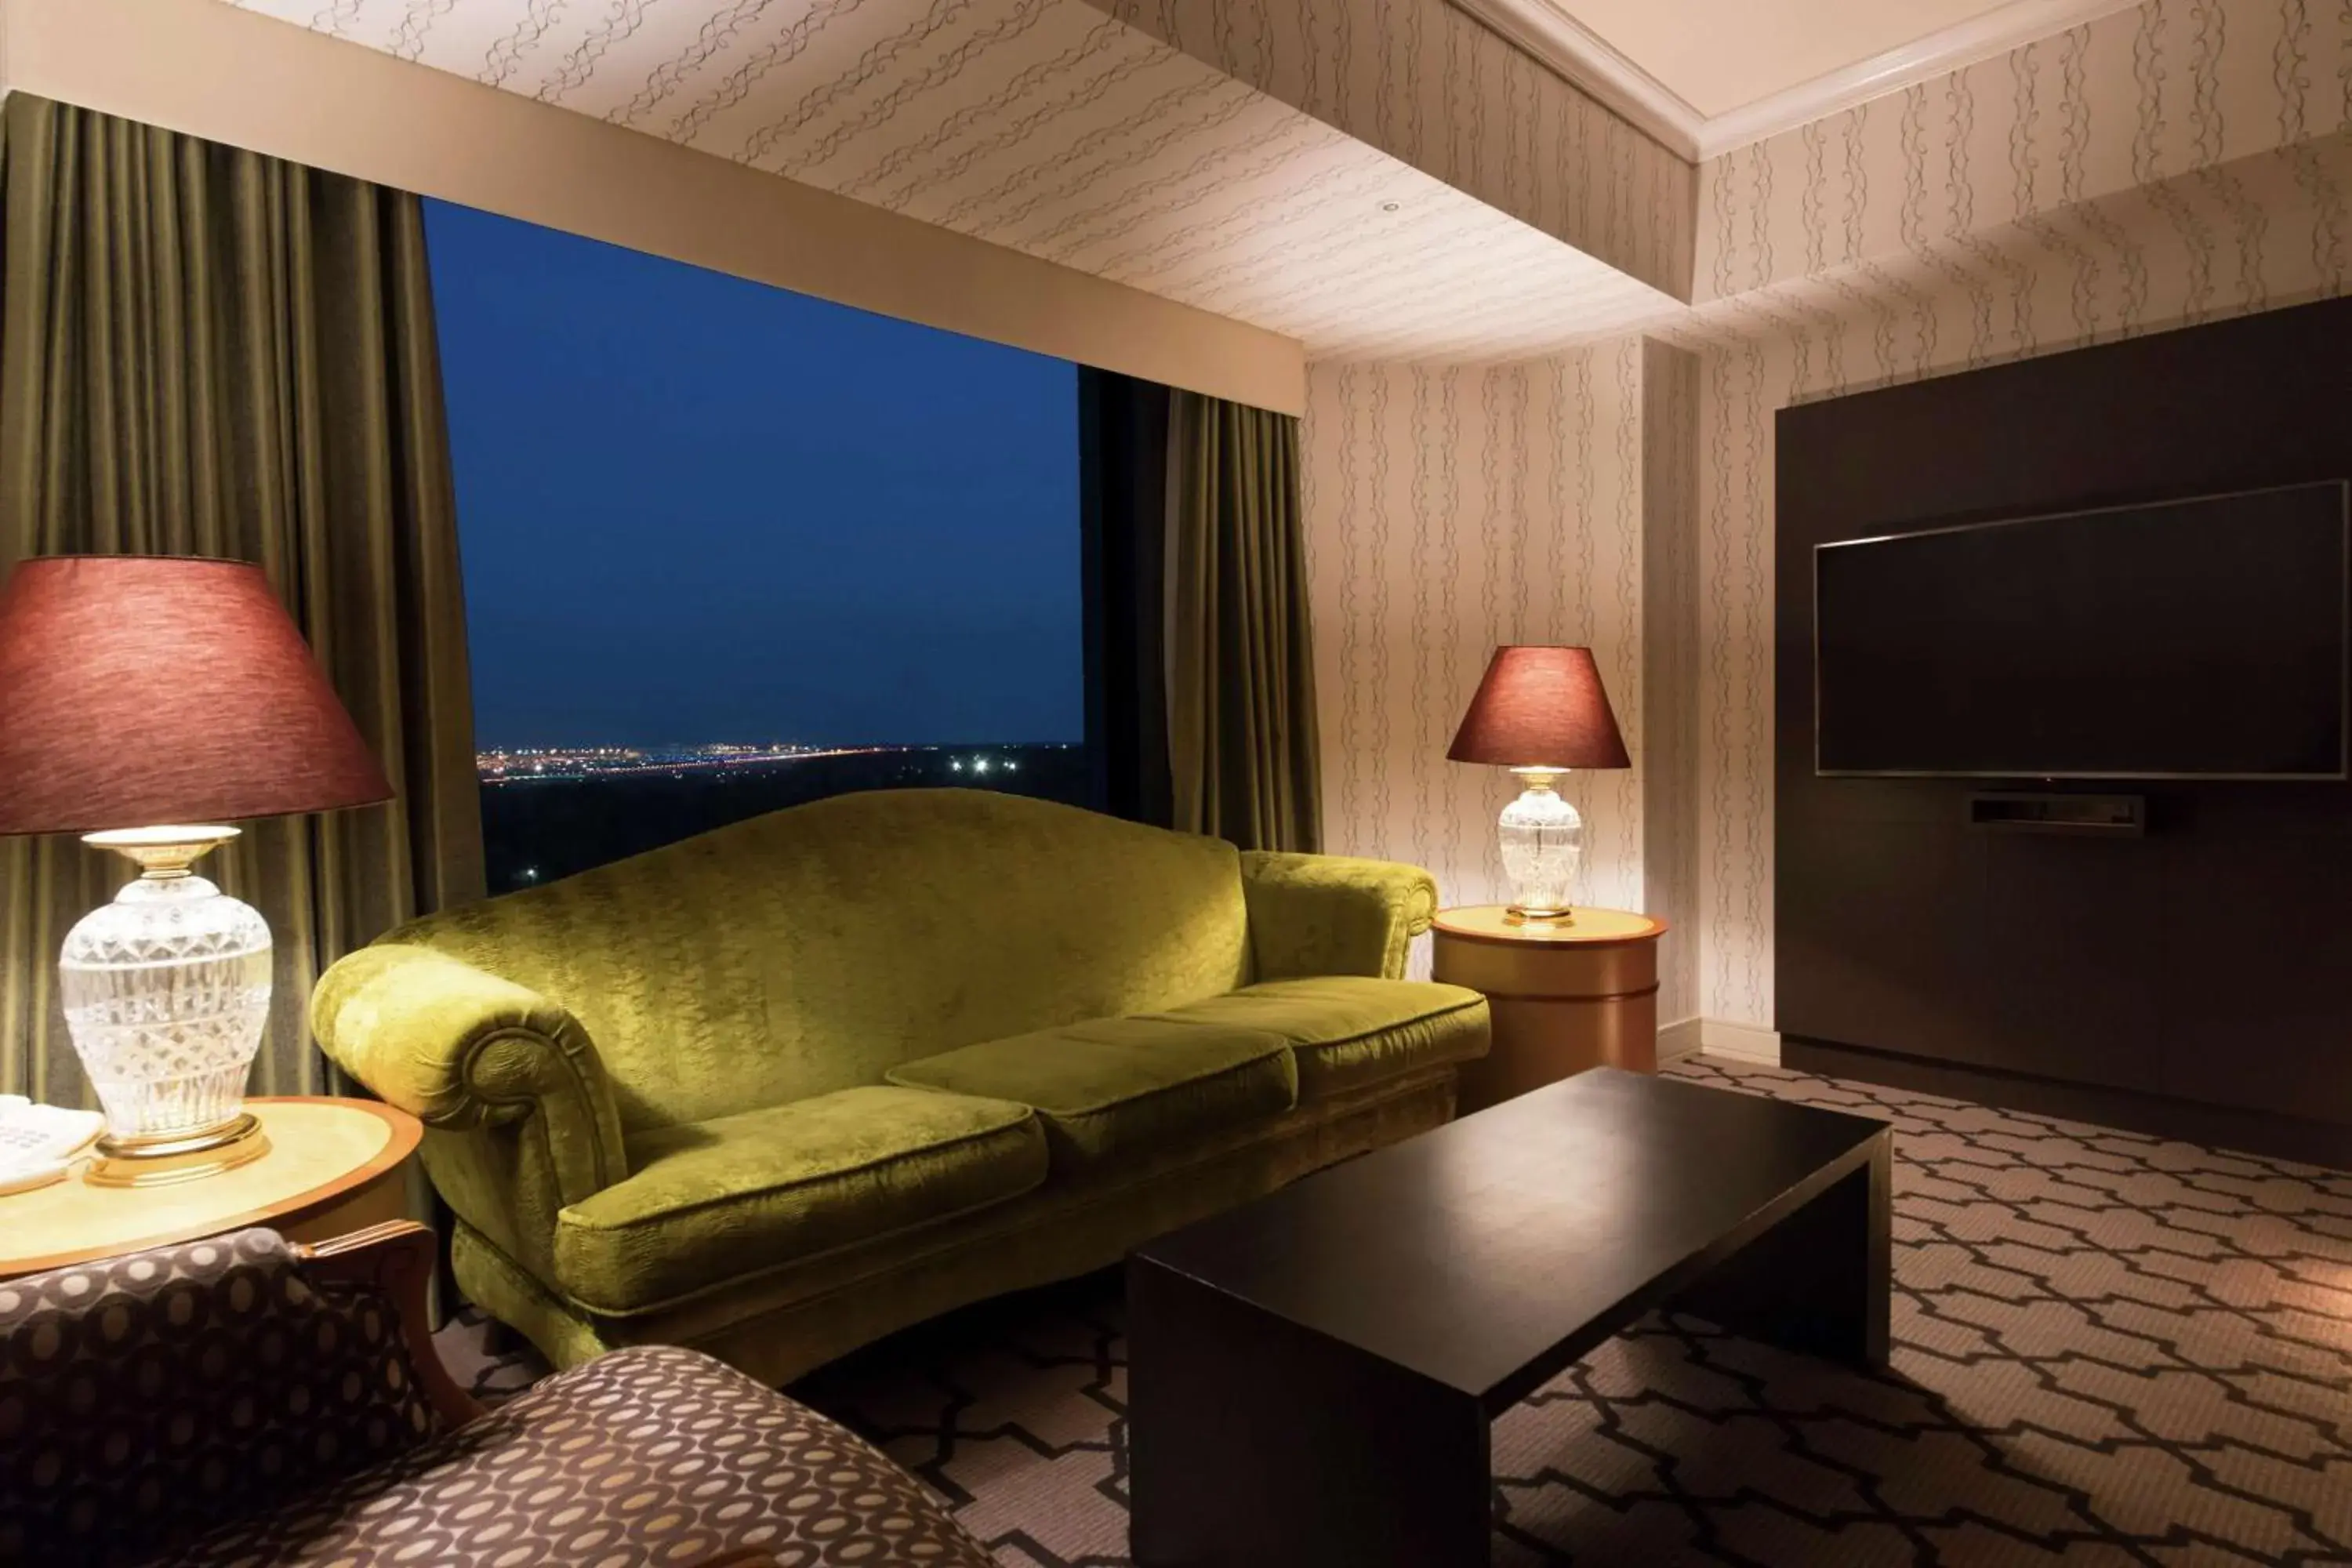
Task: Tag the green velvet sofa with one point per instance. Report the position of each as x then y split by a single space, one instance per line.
777 1090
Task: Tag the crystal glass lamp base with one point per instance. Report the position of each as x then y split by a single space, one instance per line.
166 992
1543 845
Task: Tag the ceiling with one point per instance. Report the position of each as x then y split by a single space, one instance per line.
1721 55
1047 127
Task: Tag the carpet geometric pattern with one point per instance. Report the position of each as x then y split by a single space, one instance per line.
2107 1349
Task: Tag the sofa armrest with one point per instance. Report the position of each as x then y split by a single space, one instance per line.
391 1265
520 1118
1331 914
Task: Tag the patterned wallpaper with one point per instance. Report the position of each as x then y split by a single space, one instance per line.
1049 127
1426 83
2130 99
1672 387
2258 233
1450 509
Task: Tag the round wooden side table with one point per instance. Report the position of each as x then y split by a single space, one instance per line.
1565 998
334 1166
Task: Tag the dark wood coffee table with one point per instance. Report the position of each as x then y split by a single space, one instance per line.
1311 1376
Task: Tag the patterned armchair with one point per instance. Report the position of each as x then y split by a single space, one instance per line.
247 1401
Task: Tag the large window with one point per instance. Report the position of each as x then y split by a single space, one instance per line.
729 549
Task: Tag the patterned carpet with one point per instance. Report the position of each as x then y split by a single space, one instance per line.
2109 1348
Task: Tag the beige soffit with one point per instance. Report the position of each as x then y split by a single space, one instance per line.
1428 84
211 70
1635 78
1047 128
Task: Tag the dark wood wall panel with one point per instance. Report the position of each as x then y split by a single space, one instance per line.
2199 977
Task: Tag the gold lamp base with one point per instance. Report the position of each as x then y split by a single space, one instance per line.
162 1162
1512 915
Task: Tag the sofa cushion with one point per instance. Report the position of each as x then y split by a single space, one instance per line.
1116 1090
641 1458
1348 1030
709 1201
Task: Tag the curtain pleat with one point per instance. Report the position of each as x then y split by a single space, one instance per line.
1245 757
205 352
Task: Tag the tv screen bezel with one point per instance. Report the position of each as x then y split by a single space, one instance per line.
2344 642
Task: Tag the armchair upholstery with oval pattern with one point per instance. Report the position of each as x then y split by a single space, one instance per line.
244 1401
780 1089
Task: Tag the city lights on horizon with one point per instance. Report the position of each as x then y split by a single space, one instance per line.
527 765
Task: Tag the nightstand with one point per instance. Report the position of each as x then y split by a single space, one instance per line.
1564 997
334 1166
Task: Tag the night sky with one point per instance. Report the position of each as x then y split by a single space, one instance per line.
696 508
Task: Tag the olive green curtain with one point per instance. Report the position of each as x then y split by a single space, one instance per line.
1243 749
205 352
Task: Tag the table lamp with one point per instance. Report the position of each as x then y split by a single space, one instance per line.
1540 711
139 694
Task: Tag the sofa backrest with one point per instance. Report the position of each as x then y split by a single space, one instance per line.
813 949
102 1363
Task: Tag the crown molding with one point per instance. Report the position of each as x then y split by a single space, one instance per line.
1570 49
1565 46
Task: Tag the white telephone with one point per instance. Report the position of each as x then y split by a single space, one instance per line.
38 1141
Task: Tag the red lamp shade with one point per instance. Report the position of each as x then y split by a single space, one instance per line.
1540 707
142 691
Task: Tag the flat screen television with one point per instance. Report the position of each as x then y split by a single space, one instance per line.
2202 638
